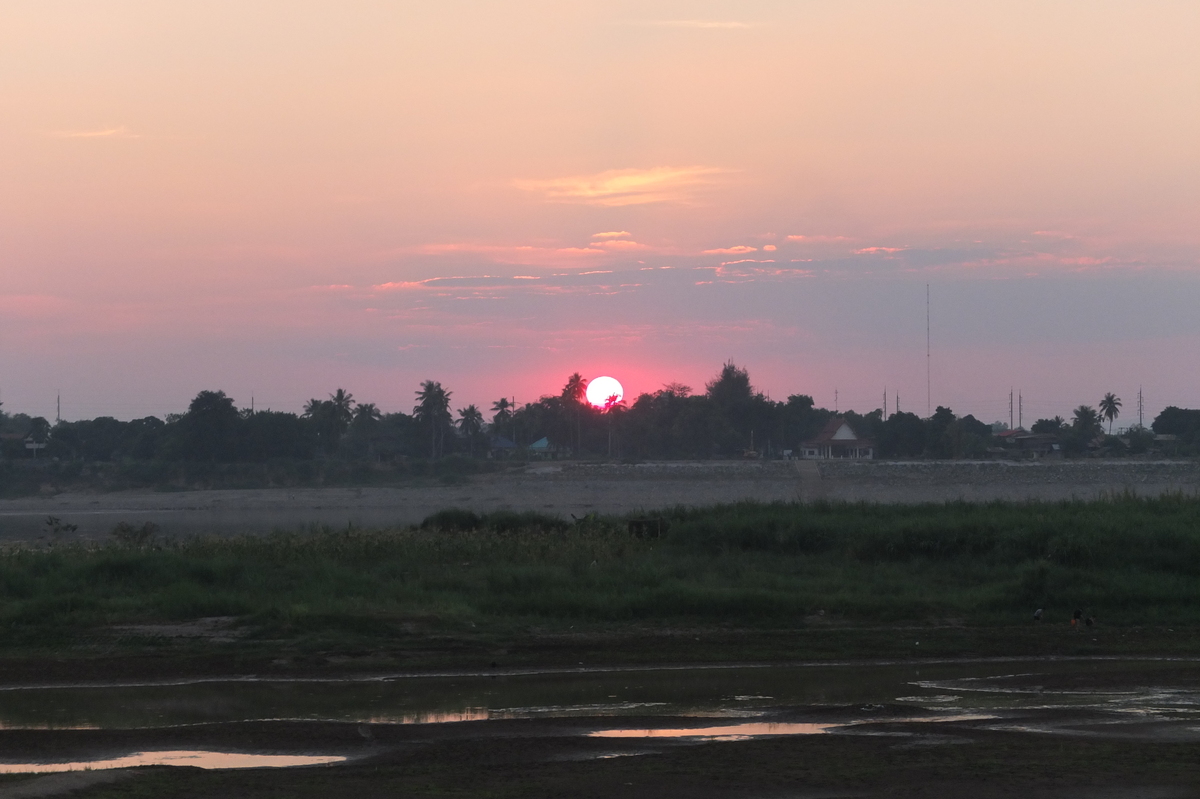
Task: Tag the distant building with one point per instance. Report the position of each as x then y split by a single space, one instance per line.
838 440
543 448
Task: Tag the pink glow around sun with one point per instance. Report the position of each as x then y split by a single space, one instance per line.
604 392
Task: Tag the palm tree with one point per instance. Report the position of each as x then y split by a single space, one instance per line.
1086 422
574 393
433 409
1110 409
324 417
503 413
343 408
365 415
470 424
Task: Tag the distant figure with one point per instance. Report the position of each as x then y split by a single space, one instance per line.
1089 621
1037 614
1076 617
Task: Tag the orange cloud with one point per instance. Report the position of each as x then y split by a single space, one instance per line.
618 187
740 249
619 244
612 234
817 238
703 24
104 133
515 254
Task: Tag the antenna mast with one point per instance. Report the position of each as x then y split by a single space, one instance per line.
928 380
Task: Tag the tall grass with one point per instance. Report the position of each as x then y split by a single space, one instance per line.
1127 560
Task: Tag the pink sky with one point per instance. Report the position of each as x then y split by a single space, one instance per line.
279 199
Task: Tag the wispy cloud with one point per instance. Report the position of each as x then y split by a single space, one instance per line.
821 239
617 187
515 254
879 250
105 133
620 245
703 24
612 234
740 249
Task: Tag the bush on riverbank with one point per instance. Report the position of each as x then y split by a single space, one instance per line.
1126 561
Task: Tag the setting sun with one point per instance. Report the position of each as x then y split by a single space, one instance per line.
605 392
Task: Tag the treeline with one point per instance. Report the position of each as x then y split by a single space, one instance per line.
730 418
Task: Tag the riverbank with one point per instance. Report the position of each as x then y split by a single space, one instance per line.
572 489
736 582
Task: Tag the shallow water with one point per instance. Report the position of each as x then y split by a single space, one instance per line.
1149 688
1157 699
193 758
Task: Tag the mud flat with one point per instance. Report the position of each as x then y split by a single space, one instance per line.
566 489
1040 728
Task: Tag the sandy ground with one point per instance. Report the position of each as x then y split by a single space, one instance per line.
578 489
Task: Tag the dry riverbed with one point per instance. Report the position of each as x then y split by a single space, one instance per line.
577 489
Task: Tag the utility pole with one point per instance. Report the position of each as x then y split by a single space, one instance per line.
885 403
835 400
1010 409
897 402
1020 411
58 408
1140 407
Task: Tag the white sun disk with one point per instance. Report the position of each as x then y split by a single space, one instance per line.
601 390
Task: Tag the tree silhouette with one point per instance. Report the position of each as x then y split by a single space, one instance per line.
1110 409
574 394
210 427
731 387
1086 422
1053 426
433 409
470 424
343 408
502 411
366 414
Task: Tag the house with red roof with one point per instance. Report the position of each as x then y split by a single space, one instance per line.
838 440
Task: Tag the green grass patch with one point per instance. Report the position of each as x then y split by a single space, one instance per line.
1126 561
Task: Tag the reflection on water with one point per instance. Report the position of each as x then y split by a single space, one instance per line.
1161 689
196 759
725 732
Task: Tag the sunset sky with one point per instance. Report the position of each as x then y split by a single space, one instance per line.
280 198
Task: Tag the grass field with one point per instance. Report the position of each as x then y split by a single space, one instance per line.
1127 562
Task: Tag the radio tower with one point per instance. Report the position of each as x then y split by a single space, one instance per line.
928 380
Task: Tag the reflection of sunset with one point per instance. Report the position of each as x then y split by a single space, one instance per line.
195 759
724 732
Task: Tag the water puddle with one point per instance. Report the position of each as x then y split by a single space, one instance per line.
193 758
724 732
727 703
